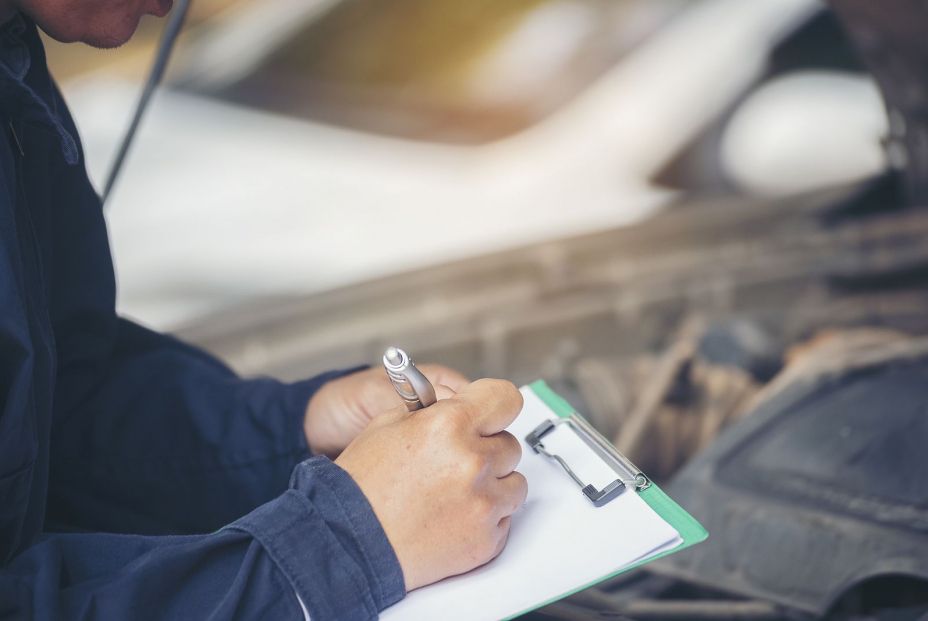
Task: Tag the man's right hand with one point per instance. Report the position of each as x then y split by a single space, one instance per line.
441 480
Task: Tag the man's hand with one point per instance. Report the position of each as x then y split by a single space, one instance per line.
441 480
342 408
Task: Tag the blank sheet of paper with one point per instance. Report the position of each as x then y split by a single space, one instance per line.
558 543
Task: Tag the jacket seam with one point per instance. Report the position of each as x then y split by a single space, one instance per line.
351 519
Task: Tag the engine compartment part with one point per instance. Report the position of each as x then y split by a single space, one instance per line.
822 487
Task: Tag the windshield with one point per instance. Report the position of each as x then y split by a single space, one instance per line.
442 70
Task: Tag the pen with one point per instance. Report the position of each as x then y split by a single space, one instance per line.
412 386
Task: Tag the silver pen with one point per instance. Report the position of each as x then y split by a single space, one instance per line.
412 386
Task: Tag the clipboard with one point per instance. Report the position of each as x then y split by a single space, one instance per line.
565 538
691 531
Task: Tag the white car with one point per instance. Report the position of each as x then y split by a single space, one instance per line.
306 145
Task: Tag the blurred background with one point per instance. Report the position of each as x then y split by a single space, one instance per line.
298 141
696 219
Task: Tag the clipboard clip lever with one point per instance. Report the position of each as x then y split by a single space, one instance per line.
628 474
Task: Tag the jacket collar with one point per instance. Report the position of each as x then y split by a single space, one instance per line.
22 71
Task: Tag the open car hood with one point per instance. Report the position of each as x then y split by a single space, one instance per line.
891 38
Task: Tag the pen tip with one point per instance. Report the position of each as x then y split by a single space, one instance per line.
393 356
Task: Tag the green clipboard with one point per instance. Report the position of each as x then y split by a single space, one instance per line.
691 532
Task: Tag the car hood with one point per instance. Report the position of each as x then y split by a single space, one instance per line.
205 217
890 37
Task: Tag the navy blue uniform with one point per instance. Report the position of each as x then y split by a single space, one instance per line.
140 478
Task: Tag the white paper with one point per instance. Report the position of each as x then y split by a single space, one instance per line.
558 542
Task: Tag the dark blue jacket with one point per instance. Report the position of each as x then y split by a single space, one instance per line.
139 477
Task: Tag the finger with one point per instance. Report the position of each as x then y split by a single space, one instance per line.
402 411
390 416
440 374
379 389
512 490
504 452
503 529
492 403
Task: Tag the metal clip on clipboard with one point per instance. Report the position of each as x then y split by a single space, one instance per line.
628 474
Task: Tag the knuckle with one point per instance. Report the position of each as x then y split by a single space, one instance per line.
436 419
516 395
471 466
433 427
484 549
501 534
513 446
507 392
458 427
483 509
458 412
521 487
449 421
493 547
505 526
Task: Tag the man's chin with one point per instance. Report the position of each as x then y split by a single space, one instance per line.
106 42
111 38
102 36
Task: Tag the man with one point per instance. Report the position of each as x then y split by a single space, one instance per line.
140 478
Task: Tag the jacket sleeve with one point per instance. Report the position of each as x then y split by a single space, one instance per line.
160 437
319 542
150 435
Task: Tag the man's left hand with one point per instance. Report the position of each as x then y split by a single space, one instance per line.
342 408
